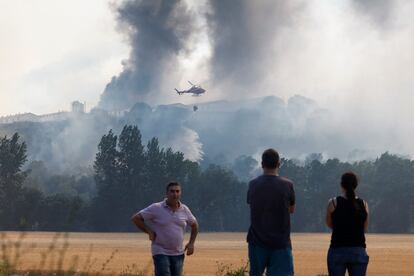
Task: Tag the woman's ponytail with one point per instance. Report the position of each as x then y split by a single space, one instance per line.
349 181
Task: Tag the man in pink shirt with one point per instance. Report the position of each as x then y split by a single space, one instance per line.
165 223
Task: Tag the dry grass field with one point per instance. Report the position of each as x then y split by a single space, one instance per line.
113 253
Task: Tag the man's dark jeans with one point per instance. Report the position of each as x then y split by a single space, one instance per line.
353 259
277 262
168 265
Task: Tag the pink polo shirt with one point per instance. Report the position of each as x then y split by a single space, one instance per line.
169 227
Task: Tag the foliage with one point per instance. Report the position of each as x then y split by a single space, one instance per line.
51 261
228 270
129 174
12 158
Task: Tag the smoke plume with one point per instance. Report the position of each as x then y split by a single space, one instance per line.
349 64
379 11
242 35
157 31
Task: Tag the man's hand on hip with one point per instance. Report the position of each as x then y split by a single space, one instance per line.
152 235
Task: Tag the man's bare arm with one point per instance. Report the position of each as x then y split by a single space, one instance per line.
138 220
292 208
190 245
367 220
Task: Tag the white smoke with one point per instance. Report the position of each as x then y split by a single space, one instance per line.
187 141
351 59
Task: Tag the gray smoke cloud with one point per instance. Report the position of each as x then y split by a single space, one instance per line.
242 34
350 62
169 124
379 11
157 31
239 34
343 55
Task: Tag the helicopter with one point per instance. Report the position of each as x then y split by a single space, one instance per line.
196 90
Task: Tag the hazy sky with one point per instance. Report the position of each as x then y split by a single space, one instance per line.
352 56
55 51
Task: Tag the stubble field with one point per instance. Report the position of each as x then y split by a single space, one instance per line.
113 253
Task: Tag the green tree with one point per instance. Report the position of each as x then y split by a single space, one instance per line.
105 205
155 171
220 200
61 212
12 158
131 172
392 194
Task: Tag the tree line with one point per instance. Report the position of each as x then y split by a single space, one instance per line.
128 175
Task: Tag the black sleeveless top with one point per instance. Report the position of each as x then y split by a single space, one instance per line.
348 220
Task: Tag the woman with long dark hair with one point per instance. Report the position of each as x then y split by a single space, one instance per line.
347 216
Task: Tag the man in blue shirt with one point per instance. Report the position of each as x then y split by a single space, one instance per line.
272 200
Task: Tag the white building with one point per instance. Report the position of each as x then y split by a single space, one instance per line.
77 108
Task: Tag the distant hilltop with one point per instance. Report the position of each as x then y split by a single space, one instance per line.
77 108
295 103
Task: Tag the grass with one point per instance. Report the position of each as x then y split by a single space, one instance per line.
52 259
220 254
228 270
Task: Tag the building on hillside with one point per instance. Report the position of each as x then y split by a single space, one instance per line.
78 107
25 117
51 117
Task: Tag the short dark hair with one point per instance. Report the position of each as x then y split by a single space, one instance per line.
172 184
270 159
